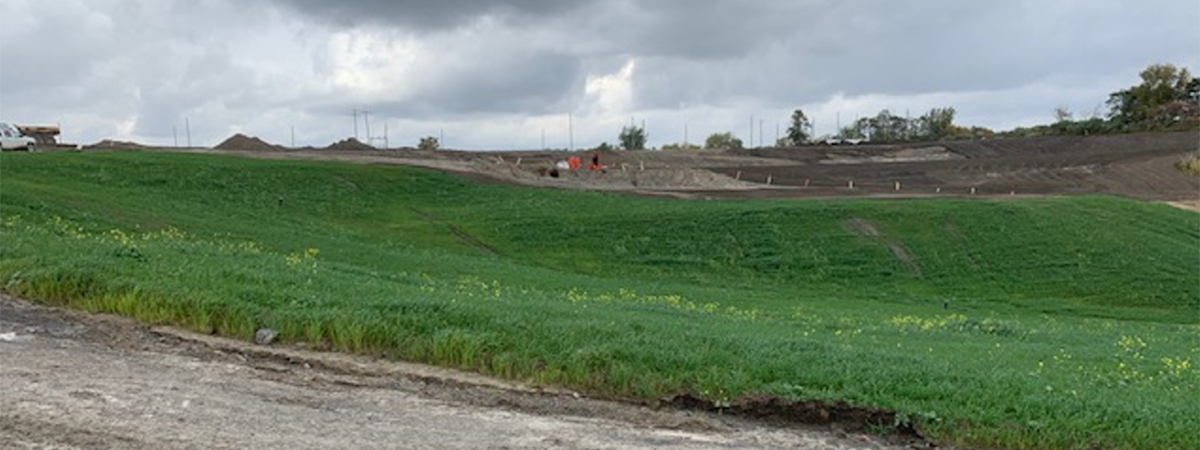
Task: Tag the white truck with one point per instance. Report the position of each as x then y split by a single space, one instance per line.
11 138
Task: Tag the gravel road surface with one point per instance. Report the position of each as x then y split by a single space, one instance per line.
70 380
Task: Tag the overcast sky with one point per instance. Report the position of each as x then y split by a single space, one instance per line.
499 74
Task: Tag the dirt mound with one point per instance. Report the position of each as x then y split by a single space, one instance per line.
915 154
242 142
351 144
111 144
684 178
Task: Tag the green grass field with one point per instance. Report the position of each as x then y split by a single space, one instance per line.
1059 323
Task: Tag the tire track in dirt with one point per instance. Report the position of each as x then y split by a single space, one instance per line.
459 233
864 228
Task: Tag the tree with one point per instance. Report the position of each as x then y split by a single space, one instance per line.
938 122
800 130
886 127
1150 103
859 129
428 143
1062 114
633 138
723 140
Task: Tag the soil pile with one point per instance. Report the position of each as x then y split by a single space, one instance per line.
242 142
111 144
919 154
351 144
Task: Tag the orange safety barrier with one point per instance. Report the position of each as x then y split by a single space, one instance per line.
575 163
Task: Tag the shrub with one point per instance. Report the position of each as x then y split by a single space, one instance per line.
1189 164
428 143
723 140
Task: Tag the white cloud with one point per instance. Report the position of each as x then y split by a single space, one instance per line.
610 94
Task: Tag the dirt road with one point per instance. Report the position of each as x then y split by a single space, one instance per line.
75 381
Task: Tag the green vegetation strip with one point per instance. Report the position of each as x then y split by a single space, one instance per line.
1066 323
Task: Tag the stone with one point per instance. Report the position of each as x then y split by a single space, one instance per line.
265 336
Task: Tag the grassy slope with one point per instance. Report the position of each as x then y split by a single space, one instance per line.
1055 323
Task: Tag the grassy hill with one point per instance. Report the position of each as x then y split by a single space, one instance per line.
1049 323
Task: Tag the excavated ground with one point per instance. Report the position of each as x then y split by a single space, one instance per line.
70 380
1138 166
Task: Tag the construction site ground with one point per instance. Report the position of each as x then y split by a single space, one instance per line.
71 380
1138 166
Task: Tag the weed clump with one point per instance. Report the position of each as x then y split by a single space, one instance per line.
1189 164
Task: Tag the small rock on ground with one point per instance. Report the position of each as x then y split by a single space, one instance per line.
265 336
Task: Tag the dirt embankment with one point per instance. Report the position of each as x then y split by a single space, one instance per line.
1139 166
75 381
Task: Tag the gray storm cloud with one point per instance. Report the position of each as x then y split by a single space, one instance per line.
423 14
137 68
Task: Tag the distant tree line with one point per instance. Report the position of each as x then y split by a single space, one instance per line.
935 125
1168 99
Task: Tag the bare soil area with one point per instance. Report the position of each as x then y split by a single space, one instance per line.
1138 166
70 380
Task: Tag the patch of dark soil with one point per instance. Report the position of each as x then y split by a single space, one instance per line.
249 143
835 415
1139 166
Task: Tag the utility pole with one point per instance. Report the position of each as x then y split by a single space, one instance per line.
907 123
760 133
367 122
356 124
543 138
293 136
570 132
685 135
442 137
187 124
386 143
750 140
174 134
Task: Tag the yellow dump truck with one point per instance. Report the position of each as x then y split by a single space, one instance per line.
43 134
